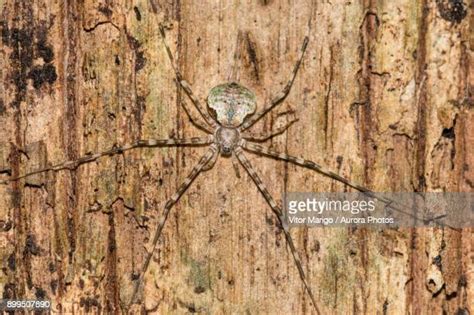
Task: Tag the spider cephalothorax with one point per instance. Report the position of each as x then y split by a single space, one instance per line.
227 139
231 103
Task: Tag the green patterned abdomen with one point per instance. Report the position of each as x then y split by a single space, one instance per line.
231 103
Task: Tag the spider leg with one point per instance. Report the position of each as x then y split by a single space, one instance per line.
235 165
393 204
258 149
168 206
73 164
279 214
185 85
210 164
280 96
195 120
262 137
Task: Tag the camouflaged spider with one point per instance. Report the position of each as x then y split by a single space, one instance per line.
232 109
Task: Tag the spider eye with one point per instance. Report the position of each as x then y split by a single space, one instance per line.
226 150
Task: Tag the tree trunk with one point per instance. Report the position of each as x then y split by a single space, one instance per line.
383 97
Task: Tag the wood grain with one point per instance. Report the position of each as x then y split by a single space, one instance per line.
384 97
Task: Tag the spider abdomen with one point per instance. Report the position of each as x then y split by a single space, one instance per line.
231 103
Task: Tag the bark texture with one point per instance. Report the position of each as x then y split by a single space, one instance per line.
384 97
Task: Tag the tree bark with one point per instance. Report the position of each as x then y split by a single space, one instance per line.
383 97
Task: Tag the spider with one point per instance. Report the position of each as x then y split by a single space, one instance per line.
232 110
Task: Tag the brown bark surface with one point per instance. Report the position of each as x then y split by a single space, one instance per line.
384 97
